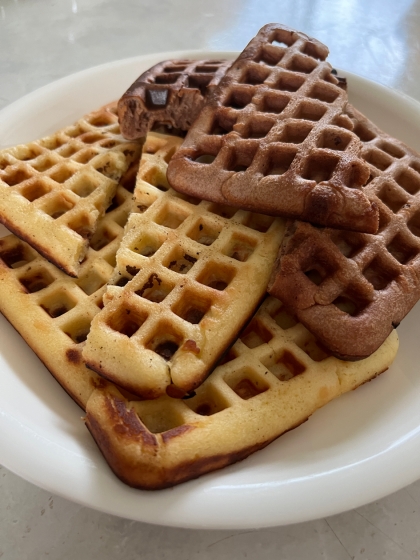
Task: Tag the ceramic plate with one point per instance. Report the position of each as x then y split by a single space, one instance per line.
356 449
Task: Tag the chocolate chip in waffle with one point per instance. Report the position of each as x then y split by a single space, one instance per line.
170 93
54 190
275 376
273 138
189 275
352 289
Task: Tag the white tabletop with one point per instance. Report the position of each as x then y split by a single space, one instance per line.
43 40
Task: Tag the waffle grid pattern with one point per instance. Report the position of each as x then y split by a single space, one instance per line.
361 285
52 191
181 268
274 377
184 74
53 311
274 135
270 381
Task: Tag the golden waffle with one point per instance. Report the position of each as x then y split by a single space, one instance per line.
273 138
170 93
196 272
53 311
276 376
53 190
352 289
273 378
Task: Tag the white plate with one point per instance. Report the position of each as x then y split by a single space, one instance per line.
355 450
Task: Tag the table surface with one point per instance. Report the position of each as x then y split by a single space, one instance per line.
43 40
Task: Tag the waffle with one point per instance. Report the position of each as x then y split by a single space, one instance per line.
170 93
275 376
273 138
182 282
352 289
53 311
54 190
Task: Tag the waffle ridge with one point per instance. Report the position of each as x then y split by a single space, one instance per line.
273 138
175 304
352 289
54 190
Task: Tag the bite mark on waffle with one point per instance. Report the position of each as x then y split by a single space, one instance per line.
171 93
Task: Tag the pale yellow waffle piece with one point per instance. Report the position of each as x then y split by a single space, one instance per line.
54 190
53 311
276 376
196 272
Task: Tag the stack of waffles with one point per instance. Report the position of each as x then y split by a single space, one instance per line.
157 320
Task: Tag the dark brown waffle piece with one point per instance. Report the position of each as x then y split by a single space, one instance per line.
351 289
170 93
273 138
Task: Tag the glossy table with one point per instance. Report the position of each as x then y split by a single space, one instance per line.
45 40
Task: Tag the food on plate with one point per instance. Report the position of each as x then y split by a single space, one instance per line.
351 289
54 190
171 93
273 138
187 266
149 305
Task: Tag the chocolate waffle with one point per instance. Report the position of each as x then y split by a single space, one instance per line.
275 376
352 289
54 190
273 138
171 93
187 266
